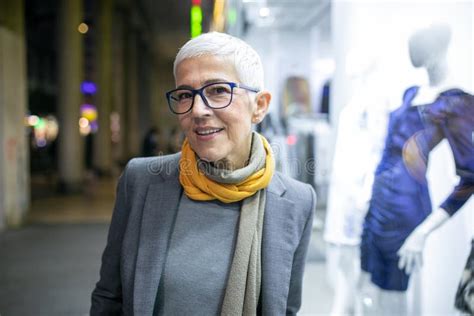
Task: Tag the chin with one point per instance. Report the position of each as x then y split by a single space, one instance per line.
210 155
211 158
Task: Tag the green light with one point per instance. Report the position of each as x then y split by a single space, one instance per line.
41 124
232 16
196 20
196 14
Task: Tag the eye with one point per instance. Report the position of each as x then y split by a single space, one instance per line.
182 95
218 89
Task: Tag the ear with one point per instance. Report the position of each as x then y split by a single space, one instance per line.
262 101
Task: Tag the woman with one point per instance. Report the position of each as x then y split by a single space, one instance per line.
235 242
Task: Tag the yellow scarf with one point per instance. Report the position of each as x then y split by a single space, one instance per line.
198 187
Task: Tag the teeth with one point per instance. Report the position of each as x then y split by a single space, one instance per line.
207 132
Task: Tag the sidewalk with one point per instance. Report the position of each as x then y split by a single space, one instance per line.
49 269
95 205
50 265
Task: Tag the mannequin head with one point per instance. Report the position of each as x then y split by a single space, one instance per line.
428 48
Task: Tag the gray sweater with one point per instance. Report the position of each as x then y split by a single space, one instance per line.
199 258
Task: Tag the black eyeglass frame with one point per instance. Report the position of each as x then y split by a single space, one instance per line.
203 97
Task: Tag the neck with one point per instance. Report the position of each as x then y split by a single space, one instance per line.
227 164
438 82
437 73
238 162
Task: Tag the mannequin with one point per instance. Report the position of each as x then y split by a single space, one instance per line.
436 67
400 215
360 136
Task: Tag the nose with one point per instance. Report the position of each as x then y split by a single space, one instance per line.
199 107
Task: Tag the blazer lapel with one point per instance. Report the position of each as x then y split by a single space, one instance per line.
158 217
277 245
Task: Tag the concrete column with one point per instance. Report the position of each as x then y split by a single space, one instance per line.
145 71
14 154
131 87
157 96
163 82
102 140
70 75
118 84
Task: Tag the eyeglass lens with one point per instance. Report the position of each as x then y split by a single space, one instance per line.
217 95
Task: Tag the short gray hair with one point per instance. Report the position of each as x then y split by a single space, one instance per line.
246 60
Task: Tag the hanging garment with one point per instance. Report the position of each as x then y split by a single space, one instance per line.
400 198
360 137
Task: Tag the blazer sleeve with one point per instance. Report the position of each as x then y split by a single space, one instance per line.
296 281
107 295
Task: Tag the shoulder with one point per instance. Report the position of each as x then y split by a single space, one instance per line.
301 194
455 92
294 187
458 97
451 104
151 169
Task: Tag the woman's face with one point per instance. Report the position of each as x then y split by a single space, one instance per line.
228 144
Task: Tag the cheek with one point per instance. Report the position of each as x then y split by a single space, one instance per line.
184 124
239 126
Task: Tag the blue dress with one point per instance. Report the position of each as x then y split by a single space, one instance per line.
400 198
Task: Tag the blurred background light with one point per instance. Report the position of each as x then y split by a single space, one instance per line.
196 20
291 140
89 112
232 16
33 120
88 87
83 28
218 16
83 122
264 12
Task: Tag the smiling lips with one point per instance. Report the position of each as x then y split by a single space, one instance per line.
207 131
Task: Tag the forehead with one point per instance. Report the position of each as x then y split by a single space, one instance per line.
197 71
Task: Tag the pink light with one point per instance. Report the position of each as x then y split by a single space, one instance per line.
291 140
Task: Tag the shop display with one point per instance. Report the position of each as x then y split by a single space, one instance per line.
400 216
400 197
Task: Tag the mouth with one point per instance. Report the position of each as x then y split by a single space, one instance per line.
207 131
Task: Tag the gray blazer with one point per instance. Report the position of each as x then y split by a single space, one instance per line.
147 199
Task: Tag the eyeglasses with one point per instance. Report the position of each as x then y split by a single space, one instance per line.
216 95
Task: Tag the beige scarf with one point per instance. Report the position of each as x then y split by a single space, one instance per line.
243 285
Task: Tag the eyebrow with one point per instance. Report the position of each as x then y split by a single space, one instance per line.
205 83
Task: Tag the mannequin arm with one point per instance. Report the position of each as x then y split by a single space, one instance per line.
411 251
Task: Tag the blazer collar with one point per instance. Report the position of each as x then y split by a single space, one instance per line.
276 185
